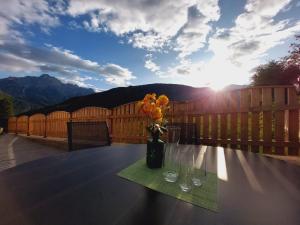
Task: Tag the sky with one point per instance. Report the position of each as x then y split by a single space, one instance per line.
102 44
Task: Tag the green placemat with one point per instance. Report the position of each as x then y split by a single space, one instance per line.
204 196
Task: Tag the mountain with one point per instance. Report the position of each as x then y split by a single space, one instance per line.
35 92
122 95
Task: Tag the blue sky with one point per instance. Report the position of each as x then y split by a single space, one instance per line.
108 43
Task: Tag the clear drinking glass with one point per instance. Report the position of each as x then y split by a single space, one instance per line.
171 163
186 167
199 165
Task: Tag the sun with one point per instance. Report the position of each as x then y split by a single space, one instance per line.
216 74
220 73
216 86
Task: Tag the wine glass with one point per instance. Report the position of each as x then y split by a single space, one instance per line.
171 167
198 165
186 166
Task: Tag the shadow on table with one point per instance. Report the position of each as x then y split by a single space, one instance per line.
148 211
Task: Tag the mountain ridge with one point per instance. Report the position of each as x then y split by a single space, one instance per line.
44 94
32 92
122 95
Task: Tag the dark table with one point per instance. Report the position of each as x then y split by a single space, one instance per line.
82 188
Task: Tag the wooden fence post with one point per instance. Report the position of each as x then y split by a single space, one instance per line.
28 124
233 105
244 118
255 104
293 133
279 100
45 132
223 101
267 119
16 127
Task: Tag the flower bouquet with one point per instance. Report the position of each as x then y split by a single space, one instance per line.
155 109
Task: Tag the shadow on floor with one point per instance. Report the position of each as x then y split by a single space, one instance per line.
15 150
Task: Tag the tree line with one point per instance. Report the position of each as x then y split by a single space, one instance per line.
6 106
284 71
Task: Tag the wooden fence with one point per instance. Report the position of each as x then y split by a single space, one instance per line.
260 119
22 125
12 124
55 123
37 125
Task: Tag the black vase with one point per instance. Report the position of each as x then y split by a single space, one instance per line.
155 153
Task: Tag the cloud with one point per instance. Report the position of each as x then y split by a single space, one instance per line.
152 24
122 17
183 26
21 57
63 71
241 47
150 65
22 12
49 55
216 73
94 24
147 25
69 75
184 69
238 49
117 75
196 74
255 31
12 63
78 80
192 36
18 56
73 25
58 6
150 41
265 8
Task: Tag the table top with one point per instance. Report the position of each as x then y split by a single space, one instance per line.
82 188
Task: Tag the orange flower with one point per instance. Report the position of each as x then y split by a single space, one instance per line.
154 108
150 97
148 107
162 100
156 113
147 97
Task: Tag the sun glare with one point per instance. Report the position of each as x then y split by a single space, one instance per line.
217 86
221 72
221 164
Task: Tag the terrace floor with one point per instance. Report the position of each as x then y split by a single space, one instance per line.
290 159
15 150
